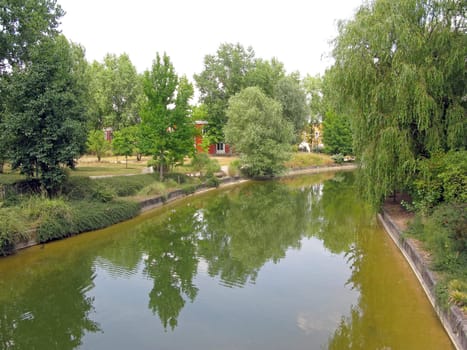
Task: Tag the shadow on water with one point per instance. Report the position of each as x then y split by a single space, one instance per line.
52 298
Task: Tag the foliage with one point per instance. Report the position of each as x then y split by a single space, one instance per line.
445 235
400 74
458 293
314 90
97 144
337 134
167 130
44 114
84 216
205 165
224 75
24 25
441 178
294 107
267 75
234 168
81 188
258 132
12 228
126 142
212 181
338 158
116 93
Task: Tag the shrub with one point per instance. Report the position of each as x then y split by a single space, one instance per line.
445 235
338 158
153 189
204 164
12 229
85 216
212 181
234 168
441 178
189 188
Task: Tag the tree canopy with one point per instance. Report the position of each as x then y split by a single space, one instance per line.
258 131
115 93
400 73
167 129
44 114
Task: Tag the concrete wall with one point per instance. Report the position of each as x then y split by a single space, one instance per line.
452 319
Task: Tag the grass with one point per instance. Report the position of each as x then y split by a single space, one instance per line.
303 160
89 166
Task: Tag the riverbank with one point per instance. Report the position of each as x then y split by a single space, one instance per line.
146 203
395 221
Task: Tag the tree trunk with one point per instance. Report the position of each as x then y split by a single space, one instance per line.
1 167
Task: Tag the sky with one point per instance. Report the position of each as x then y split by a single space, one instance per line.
297 32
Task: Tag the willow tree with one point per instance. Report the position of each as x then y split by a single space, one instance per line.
400 72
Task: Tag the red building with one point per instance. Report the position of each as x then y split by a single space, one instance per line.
214 149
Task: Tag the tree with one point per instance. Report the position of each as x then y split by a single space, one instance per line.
293 100
125 142
167 129
44 115
314 91
97 144
24 24
400 74
115 92
258 131
266 75
337 135
224 75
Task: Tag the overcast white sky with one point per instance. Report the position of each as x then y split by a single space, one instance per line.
297 32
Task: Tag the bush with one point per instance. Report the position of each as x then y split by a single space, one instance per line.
153 189
204 164
212 181
444 233
234 168
85 216
338 158
441 178
12 229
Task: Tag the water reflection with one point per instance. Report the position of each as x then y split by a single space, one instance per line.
166 264
52 311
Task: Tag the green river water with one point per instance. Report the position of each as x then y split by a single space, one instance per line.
292 264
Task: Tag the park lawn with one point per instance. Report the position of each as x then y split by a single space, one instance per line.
88 165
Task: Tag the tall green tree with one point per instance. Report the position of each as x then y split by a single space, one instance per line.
126 142
116 92
314 90
337 134
293 100
400 73
44 114
266 75
224 75
259 132
167 129
24 24
97 144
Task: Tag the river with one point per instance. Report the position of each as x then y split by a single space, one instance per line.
297 263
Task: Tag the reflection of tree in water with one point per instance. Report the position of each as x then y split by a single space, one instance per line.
51 312
339 215
247 228
171 262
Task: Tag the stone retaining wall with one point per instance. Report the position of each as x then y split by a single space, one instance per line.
452 319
